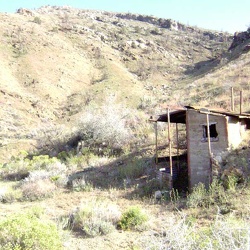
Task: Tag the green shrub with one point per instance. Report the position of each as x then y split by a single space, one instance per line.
179 233
63 155
145 103
75 161
98 227
202 197
9 194
35 169
148 188
217 193
156 31
231 178
137 29
198 197
80 184
96 218
41 161
28 231
20 167
55 29
132 219
134 169
231 183
123 30
37 20
16 169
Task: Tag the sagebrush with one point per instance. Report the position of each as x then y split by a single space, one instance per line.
28 231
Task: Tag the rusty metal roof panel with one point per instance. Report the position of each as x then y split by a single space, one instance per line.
220 111
179 115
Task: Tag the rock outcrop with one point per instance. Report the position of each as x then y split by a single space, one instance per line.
240 38
161 22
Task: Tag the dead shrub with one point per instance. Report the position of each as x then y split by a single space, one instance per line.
106 126
37 190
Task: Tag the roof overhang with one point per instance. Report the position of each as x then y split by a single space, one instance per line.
179 116
176 116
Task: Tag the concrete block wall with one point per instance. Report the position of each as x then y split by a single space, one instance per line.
198 152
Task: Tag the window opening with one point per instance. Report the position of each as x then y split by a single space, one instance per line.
213 132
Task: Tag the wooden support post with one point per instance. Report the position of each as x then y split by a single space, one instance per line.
232 99
209 148
177 144
156 143
208 136
241 101
170 151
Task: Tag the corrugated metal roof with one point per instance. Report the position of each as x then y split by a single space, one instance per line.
219 111
179 116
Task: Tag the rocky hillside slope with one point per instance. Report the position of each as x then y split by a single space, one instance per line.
56 60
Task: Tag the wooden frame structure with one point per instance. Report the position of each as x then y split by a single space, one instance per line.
200 153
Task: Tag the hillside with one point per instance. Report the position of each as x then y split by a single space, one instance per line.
57 60
77 88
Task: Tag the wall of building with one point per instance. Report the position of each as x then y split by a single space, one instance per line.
234 135
235 132
198 152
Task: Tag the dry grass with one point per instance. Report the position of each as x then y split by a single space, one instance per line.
96 214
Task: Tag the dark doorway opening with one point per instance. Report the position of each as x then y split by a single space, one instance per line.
179 170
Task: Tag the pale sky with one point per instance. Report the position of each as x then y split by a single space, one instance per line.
221 15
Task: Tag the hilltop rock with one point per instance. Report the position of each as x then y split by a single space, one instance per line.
240 38
23 11
161 22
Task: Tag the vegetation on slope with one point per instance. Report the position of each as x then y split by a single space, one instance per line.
77 89
59 60
111 205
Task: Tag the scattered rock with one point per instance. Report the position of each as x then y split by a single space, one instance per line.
158 195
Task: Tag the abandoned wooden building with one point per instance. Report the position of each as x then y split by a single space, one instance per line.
210 134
